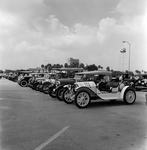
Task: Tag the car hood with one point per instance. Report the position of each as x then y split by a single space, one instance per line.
67 81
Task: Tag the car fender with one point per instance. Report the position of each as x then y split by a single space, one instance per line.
59 87
68 86
90 92
123 91
46 82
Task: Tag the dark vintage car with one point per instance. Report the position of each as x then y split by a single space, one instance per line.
23 81
44 85
56 89
13 77
141 82
36 79
23 78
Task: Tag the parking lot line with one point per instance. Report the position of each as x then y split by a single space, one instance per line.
6 99
51 139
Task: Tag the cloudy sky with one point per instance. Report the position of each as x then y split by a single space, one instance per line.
35 32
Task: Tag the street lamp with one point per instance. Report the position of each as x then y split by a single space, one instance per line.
123 51
129 52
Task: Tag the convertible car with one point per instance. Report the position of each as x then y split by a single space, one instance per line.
103 89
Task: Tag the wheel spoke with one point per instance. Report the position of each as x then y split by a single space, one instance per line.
130 96
83 99
67 96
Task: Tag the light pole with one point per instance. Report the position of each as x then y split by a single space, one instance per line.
129 52
123 51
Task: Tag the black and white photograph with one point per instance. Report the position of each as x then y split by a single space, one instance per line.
73 75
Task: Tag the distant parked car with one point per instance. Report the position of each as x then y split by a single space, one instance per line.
141 82
23 81
23 78
44 85
37 79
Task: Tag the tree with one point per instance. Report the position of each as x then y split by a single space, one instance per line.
81 65
66 65
42 67
74 65
57 66
91 67
99 67
108 68
126 71
49 67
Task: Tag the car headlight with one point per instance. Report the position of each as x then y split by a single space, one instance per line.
76 87
121 86
43 82
68 86
57 83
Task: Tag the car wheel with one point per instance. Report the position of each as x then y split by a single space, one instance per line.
51 93
37 86
45 88
67 96
40 88
82 99
59 94
129 96
23 83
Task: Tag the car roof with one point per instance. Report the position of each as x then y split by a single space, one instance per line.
41 73
25 71
98 72
68 69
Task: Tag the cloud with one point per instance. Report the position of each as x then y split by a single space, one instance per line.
131 7
129 26
126 26
26 9
106 29
30 33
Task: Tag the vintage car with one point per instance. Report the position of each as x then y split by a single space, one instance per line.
56 89
44 84
37 79
141 82
23 78
83 92
13 77
33 77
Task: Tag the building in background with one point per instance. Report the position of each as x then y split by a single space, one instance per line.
71 61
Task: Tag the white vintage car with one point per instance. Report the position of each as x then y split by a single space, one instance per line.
83 92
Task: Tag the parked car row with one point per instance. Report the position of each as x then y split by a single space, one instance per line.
11 76
80 87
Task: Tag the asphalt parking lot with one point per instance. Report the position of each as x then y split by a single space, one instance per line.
30 120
